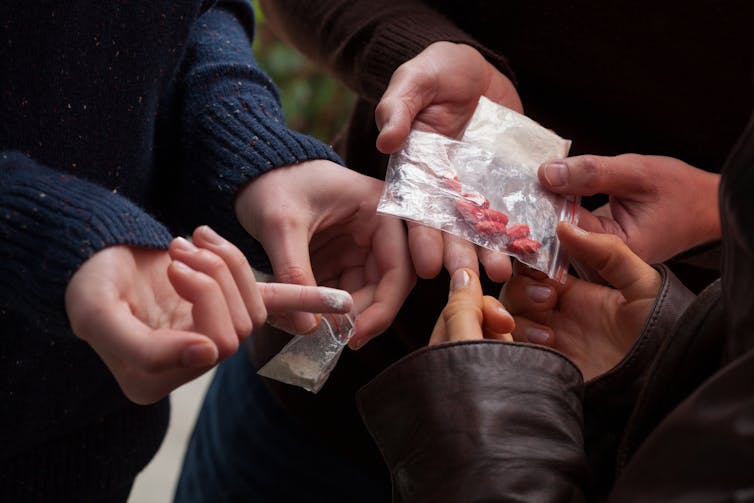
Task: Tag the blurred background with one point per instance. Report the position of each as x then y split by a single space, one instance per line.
314 104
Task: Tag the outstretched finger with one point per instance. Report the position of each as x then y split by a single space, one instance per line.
283 297
611 258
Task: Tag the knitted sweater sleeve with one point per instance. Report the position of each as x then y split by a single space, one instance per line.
231 121
363 41
50 223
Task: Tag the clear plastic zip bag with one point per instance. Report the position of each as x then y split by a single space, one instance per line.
307 360
484 188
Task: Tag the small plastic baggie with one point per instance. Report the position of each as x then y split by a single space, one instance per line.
307 360
484 188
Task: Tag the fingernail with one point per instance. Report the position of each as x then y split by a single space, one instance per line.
184 244
538 293
460 280
556 173
199 355
536 335
210 235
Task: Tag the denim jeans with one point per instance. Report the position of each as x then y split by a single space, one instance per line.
246 447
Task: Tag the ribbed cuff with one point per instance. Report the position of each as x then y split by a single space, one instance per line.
238 139
52 223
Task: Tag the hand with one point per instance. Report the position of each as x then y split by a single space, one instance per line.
159 319
659 206
469 315
438 91
318 224
593 325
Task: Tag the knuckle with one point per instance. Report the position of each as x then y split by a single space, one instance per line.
213 264
294 274
591 169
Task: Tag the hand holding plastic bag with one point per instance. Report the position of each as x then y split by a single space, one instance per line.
484 188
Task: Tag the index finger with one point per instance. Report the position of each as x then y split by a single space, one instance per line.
284 297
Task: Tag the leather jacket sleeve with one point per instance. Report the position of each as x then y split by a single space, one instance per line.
472 421
485 420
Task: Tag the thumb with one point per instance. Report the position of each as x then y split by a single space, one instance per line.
587 175
407 94
289 256
609 256
462 315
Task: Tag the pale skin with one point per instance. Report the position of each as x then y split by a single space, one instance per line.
317 222
593 325
159 319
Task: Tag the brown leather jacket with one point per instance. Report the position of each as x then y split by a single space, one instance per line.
674 421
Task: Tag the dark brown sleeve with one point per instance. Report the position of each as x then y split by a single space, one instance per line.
364 41
479 421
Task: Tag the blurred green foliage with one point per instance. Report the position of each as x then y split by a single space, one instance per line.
313 102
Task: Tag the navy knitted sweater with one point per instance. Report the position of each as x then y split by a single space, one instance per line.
121 122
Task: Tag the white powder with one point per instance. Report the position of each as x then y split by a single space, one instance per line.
301 366
334 298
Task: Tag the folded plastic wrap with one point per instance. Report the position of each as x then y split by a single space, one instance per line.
307 360
484 188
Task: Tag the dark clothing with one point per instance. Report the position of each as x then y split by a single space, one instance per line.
489 421
614 78
240 450
123 123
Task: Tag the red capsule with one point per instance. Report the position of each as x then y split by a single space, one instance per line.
524 246
490 227
518 231
469 211
495 215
